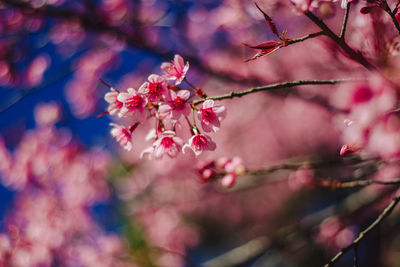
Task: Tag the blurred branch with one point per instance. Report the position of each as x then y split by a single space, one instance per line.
386 8
386 212
350 204
271 87
355 260
133 37
350 52
55 78
21 94
360 183
345 19
292 166
240 254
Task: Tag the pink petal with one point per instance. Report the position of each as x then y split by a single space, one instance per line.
208 104
184 94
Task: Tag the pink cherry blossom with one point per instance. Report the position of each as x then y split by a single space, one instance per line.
115 105
235 166
348 149
200 142
155 89
175 70
168 144
148 151
302 5
133 103
177 106
344 2
211 115
233 169
228 180
122 135
47 113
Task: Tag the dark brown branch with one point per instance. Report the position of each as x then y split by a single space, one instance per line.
361 183
350 52
270 87
386 8
386 212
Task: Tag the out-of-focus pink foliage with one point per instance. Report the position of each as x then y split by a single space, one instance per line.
57 181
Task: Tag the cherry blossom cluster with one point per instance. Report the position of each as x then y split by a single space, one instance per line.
162 99
56 182
372 124
228 169
309 5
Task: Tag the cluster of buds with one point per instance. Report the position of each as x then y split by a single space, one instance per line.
225 168
168 104
372 122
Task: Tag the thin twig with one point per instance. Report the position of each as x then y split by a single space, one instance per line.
189 83
301 39
361 183
271 87
386 212
105 83
345 19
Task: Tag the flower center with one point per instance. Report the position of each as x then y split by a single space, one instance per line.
199 142
179 103
118 104
155 88
167 142
207 114
135 101
362 94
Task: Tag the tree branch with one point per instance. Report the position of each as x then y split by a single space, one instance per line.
345 19
386 8
308 36
361 183
386 212
133 37
270 87
350 52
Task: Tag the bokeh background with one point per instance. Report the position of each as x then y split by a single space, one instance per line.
71 196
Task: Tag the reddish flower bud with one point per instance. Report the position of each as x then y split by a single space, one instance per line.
348 149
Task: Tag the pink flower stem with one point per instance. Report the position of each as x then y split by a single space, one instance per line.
106 84
190 125
198 91
194 120
190 84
